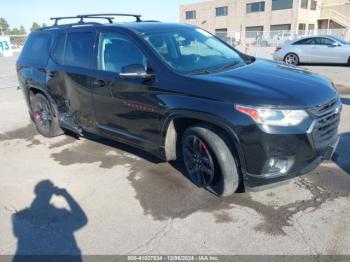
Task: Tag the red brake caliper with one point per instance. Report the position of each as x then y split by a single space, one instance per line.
37 115
204 147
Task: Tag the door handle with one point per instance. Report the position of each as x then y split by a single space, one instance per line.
98 83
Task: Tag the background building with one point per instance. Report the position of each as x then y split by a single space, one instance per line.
249 19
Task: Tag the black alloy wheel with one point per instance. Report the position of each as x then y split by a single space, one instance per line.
198 161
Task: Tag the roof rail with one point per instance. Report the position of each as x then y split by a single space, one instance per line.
68 26
80 17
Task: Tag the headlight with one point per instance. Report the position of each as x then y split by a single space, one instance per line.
274 117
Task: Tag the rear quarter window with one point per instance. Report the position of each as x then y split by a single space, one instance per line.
37 48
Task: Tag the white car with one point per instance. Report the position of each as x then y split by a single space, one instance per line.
315 49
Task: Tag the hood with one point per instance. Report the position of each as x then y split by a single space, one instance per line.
268 83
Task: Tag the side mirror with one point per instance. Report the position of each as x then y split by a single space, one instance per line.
135 71
334 44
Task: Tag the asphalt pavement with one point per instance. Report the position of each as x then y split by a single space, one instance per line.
82 196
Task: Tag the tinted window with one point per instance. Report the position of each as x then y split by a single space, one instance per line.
304 4
37 48
313 5
190 15
58 52
306 41
222 11
302 28
282 4
221 33
311 26
253 31
78 50
285 27
324 41
116 51
256 7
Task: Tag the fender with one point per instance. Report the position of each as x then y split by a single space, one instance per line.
169 135
46 94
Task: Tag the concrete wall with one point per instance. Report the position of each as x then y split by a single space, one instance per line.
237 19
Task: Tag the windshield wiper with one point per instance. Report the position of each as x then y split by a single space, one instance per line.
227 66
200 72
213 70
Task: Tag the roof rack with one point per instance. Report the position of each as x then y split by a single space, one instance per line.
108 17
137 17
82 22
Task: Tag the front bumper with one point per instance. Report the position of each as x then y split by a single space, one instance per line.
256 182
305 146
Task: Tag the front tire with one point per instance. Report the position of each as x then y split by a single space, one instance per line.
291 59
208 160
44 118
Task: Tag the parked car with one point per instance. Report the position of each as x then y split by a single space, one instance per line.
316 49
180 93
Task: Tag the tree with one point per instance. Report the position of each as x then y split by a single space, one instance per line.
34 27
22 30
4 26
17 31
14 31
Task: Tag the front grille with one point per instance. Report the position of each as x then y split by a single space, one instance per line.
327 118
322 109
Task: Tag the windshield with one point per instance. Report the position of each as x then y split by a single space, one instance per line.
342 41
193 51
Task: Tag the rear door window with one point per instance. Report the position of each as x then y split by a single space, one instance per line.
79 48
58 52
75 49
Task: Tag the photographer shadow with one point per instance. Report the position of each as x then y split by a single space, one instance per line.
43 229
342 154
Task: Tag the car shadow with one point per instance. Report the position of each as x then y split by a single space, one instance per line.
325 64
43 229
342 155
345 101
120 146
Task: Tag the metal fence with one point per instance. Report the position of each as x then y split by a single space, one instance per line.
17 42
275 38
263 43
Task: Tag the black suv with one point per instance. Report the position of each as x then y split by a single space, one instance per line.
179 92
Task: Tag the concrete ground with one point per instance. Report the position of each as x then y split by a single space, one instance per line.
95 198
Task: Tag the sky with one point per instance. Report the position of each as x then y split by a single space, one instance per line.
24 12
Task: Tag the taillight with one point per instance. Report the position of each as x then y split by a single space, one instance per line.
278 49
18 68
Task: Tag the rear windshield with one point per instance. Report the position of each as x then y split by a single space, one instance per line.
37 48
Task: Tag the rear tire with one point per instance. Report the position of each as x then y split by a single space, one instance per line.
44 118
349 60
291 59
209 161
